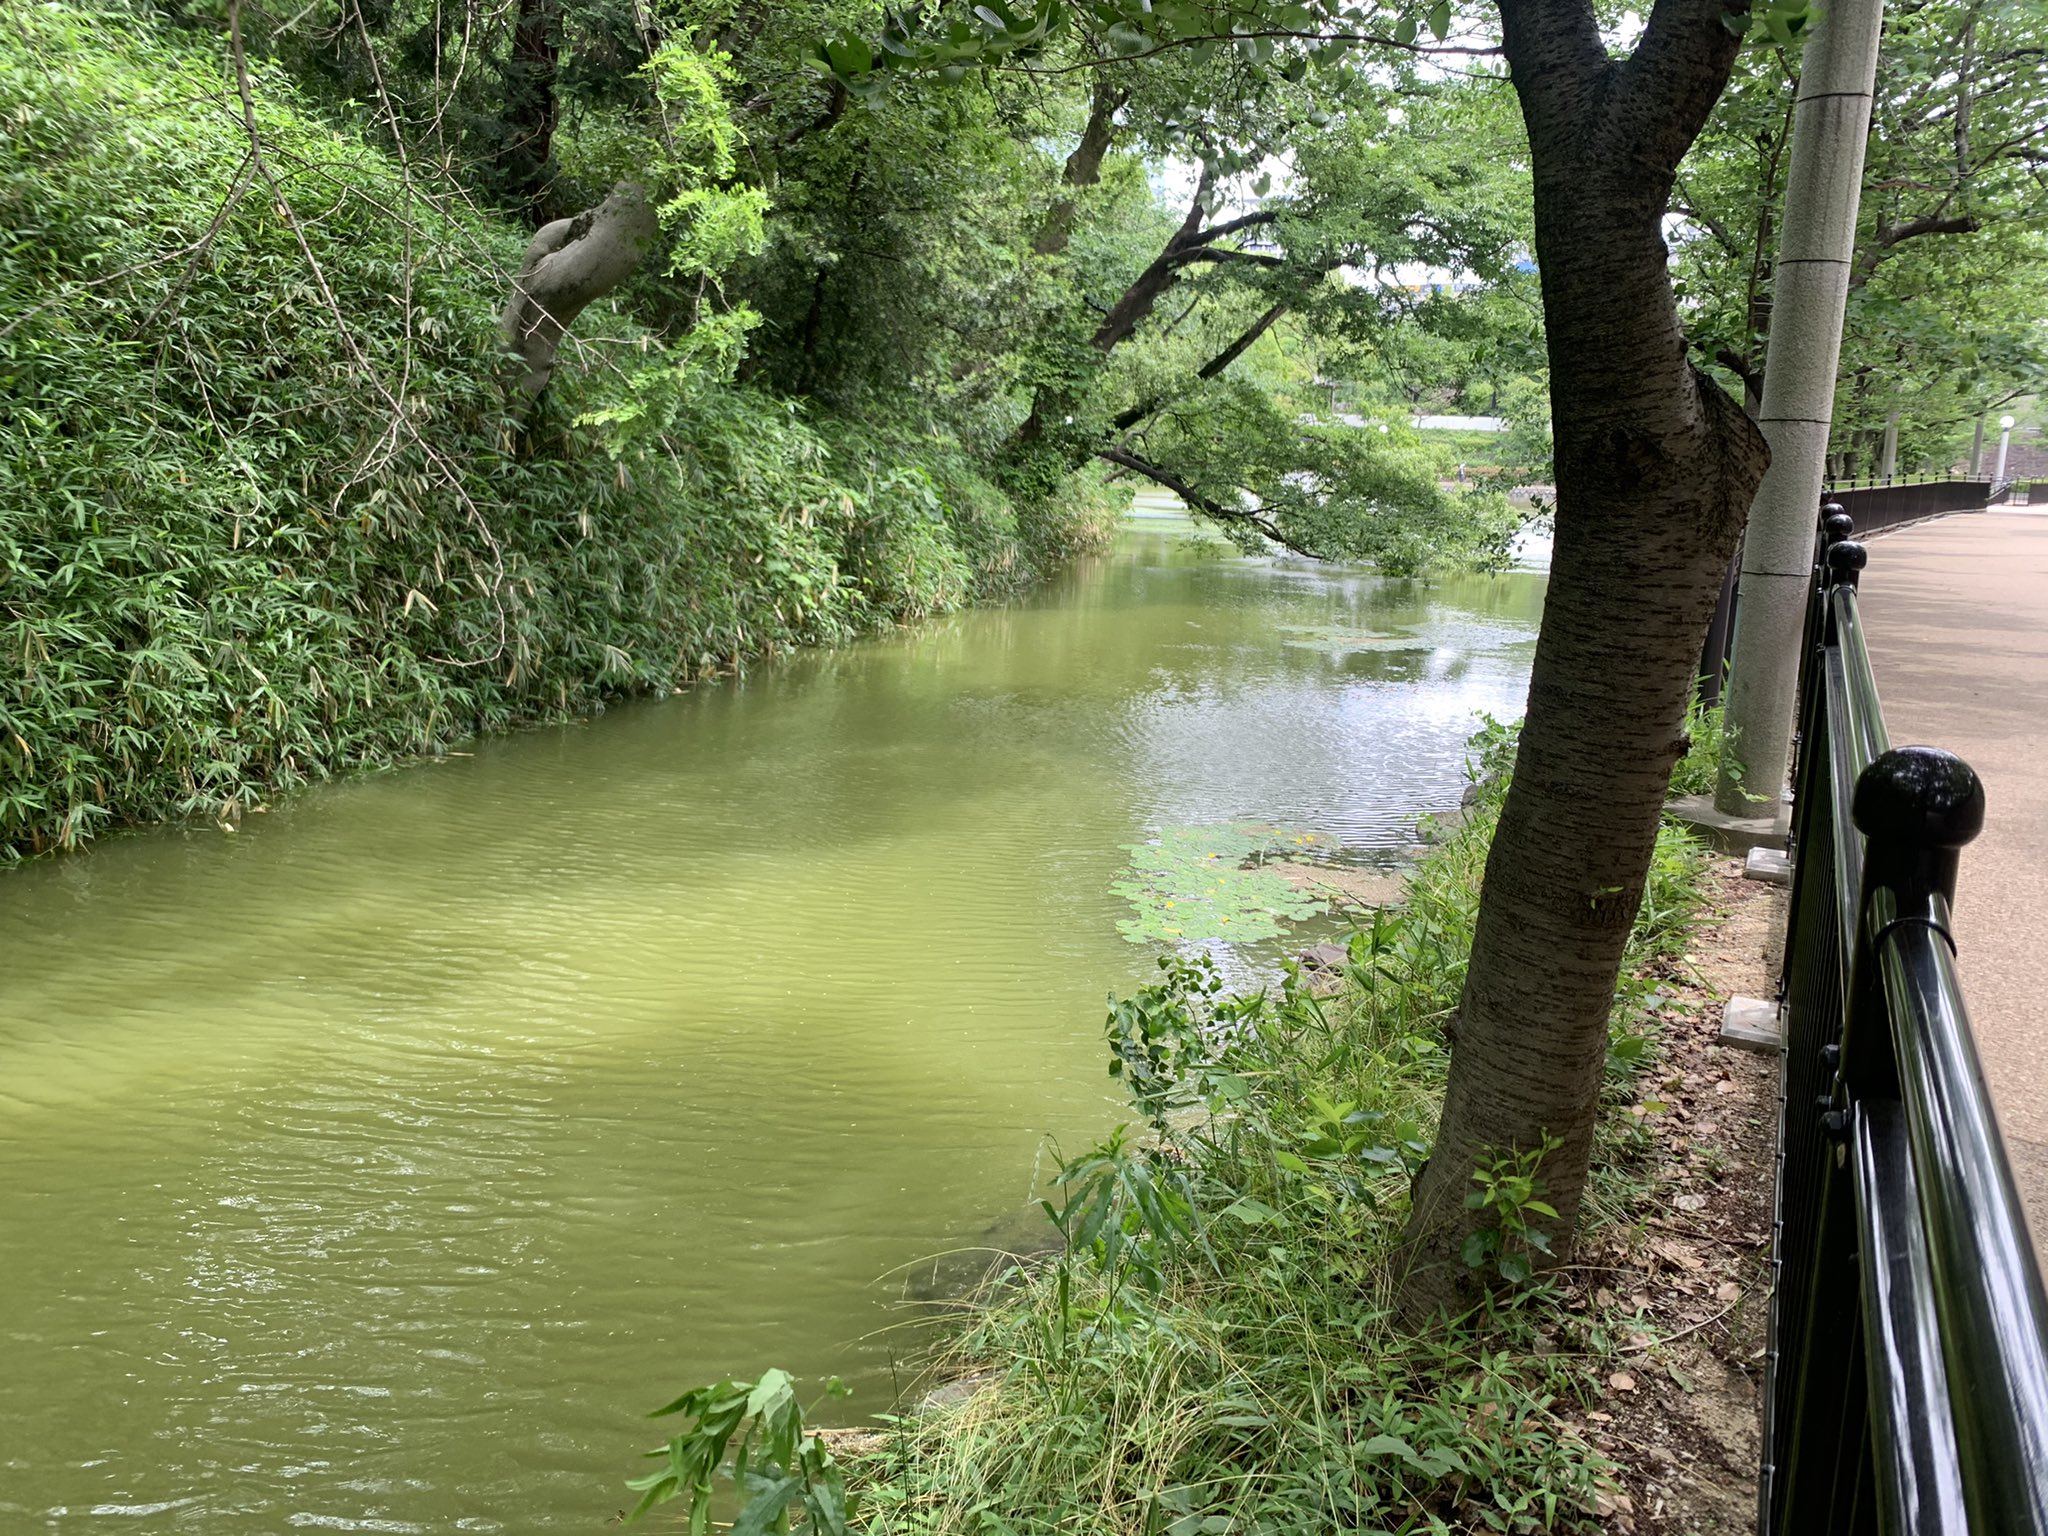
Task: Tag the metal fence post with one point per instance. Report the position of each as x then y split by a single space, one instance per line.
1907 1366
1916 807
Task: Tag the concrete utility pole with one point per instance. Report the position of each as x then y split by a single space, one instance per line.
1822 194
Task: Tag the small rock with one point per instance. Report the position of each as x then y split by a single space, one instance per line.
1768 865
952 1394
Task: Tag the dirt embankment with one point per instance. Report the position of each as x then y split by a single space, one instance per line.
1684 1273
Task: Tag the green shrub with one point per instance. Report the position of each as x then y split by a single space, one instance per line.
264 515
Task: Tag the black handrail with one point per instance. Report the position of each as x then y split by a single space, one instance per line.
1880 504
1907 1370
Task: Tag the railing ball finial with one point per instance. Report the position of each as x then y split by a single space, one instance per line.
1919 796
1836 519
1846 560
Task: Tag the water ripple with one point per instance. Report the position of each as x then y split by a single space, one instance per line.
375 1169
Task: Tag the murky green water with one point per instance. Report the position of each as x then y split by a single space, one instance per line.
375 1168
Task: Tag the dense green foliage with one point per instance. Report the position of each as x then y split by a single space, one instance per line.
1008 258
269 512
1212 1347
1944 323
265 514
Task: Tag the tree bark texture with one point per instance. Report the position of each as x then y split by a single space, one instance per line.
1822 194
1655 470
569 265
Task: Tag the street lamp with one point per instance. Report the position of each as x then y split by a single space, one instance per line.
2004 442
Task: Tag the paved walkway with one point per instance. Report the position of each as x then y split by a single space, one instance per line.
1956 615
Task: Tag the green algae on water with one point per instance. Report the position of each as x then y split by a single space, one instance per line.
1207 883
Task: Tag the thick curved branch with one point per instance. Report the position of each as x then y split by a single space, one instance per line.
1130 310
1210 253
1912 229
1130 417
1232 226
570 264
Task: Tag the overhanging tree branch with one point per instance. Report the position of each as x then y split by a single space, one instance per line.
1126 419
1211 253
1233 226
1891 236
1208 506
569 265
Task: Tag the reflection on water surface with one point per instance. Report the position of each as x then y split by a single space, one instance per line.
374 1169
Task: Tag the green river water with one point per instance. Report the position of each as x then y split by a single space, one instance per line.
377 1167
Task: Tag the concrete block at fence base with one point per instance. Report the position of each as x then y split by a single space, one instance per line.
1768 865
1751 1024
1730 834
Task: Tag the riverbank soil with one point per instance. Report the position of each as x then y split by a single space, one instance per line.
1681 1277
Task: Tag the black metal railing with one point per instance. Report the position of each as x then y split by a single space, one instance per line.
1878 505
1906 1385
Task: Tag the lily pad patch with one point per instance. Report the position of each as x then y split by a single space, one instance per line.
1198 884
1340 640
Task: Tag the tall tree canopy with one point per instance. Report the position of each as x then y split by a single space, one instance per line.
1655 466
1943 322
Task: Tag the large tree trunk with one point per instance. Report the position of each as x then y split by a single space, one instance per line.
1655 471
531 108
569 265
